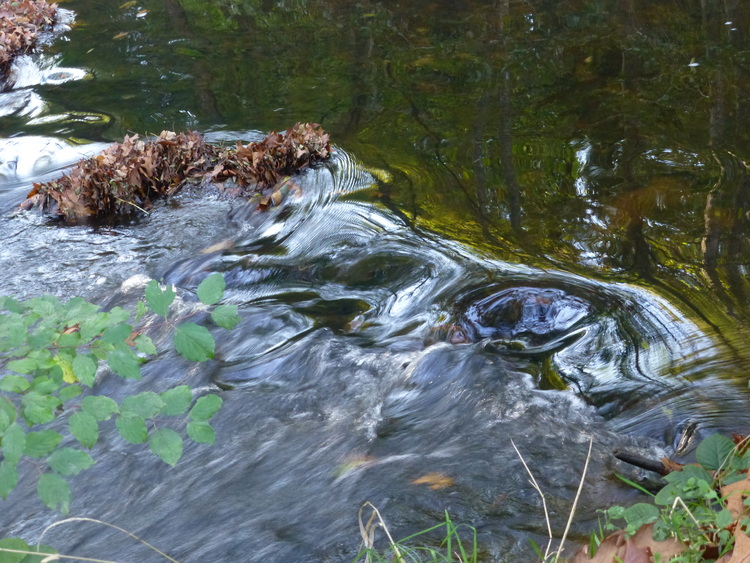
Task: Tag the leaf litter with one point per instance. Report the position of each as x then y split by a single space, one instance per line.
20 25
123 181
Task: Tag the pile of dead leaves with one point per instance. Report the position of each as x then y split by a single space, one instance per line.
20 24
124 180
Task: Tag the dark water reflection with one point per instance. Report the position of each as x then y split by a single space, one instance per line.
535 227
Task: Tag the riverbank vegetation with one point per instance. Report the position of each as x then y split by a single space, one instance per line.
124 180
20 25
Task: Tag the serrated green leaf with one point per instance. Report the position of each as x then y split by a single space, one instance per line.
41 444
14 384
43 550
38 408
94 326
194 342
205 407
177 400
8 478
44 306
85 428
12 305
211 289
132 428
54 491
25 365
68 461
200 431
12 543
145 345
724 518
84 367
69 392
641 514
140 310
42 337
78 310
714 451
70 340
167 444
124 363
100 407
159 299
44 385
118 333
118 315
146 404
7 414
14 443
225 316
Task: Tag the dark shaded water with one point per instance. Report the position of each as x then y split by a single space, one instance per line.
534 228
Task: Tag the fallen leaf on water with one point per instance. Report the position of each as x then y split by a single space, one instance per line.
435 481
121 35
127 5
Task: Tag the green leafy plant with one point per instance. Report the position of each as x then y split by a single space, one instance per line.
51 352
694 510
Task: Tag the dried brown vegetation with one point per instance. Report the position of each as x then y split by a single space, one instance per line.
125 179
20 24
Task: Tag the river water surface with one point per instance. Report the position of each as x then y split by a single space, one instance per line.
534 228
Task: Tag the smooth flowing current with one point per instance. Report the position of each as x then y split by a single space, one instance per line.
534 228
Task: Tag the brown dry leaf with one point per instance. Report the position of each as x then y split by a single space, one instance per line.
435 481
670 465
121 35
741 551
735 495
638 549
667 549
72 329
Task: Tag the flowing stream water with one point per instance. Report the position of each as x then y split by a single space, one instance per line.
533 228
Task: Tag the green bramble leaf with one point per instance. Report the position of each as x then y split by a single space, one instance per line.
125 363
140 310
67 461
8 478
99 406
177 400
225 316
640 514
211 289
85 428
167 444
24 365
194 342
145 345
84 368
116 334
14 443
14 384
39 408
159 299
43 550
145 405
714 451
7 414
16 544
54 491
201 432
69 392
41 444
132 427
206 407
